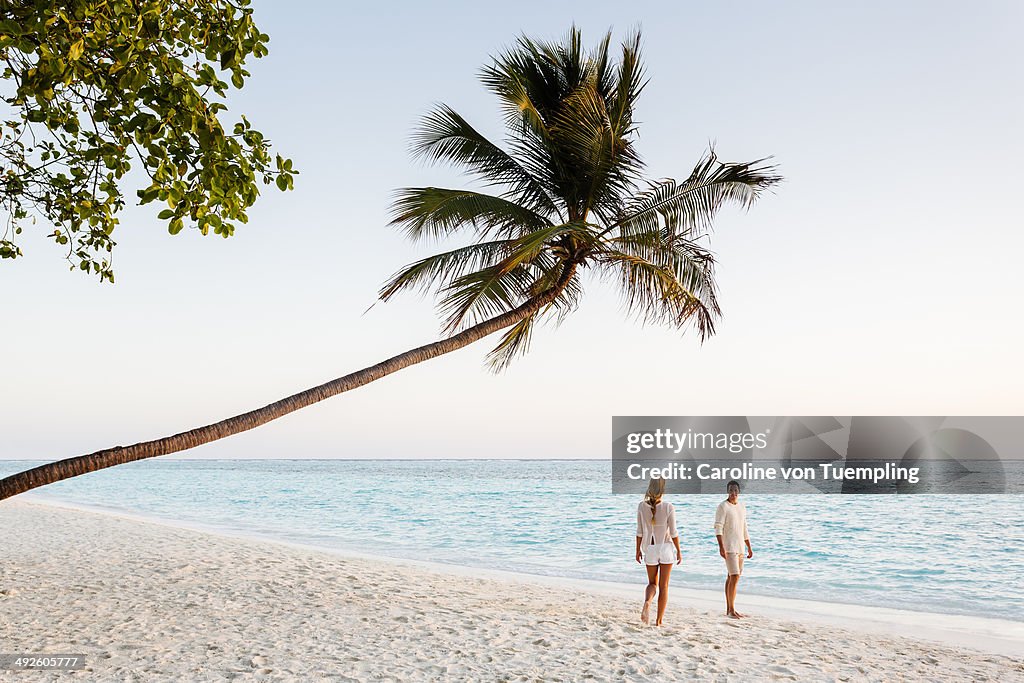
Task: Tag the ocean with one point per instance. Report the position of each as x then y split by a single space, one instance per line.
956 554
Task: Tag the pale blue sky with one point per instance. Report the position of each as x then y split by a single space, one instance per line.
883 277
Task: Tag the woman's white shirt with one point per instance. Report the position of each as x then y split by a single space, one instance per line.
663 529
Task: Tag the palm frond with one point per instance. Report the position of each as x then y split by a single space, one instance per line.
662 245
605 166
568 299
444 135
570 115
629 83
655 293
515 342
694 203
529 267
438 212
440 269
526 83
483 294
603 69
580 127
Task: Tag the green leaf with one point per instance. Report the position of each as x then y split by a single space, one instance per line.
227 58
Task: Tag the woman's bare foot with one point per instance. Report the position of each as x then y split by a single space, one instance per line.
739 615
645 613
733 615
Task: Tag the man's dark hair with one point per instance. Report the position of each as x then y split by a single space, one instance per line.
733 483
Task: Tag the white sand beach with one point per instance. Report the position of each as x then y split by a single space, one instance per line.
147 601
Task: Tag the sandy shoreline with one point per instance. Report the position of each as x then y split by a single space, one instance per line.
147 601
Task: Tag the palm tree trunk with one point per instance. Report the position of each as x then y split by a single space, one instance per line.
119 455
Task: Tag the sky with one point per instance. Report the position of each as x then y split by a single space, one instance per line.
882 277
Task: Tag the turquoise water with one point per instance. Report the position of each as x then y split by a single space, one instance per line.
952 554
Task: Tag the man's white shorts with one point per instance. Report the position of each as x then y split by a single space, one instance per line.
734 563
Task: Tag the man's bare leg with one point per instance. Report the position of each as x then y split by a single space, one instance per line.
728 595
732 601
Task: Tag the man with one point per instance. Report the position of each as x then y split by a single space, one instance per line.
731 531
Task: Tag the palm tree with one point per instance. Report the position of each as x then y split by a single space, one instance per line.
567 195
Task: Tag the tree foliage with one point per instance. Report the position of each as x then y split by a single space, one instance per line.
568 193
93 86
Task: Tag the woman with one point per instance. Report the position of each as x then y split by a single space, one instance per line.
657 544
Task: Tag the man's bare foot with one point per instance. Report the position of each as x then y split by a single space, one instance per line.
645 613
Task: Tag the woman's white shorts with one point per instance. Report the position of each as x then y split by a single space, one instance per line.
660 553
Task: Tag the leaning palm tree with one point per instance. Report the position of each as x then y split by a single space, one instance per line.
566 194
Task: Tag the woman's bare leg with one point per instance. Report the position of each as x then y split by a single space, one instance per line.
666 569
652 588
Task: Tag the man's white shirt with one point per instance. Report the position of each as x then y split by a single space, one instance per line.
731 525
